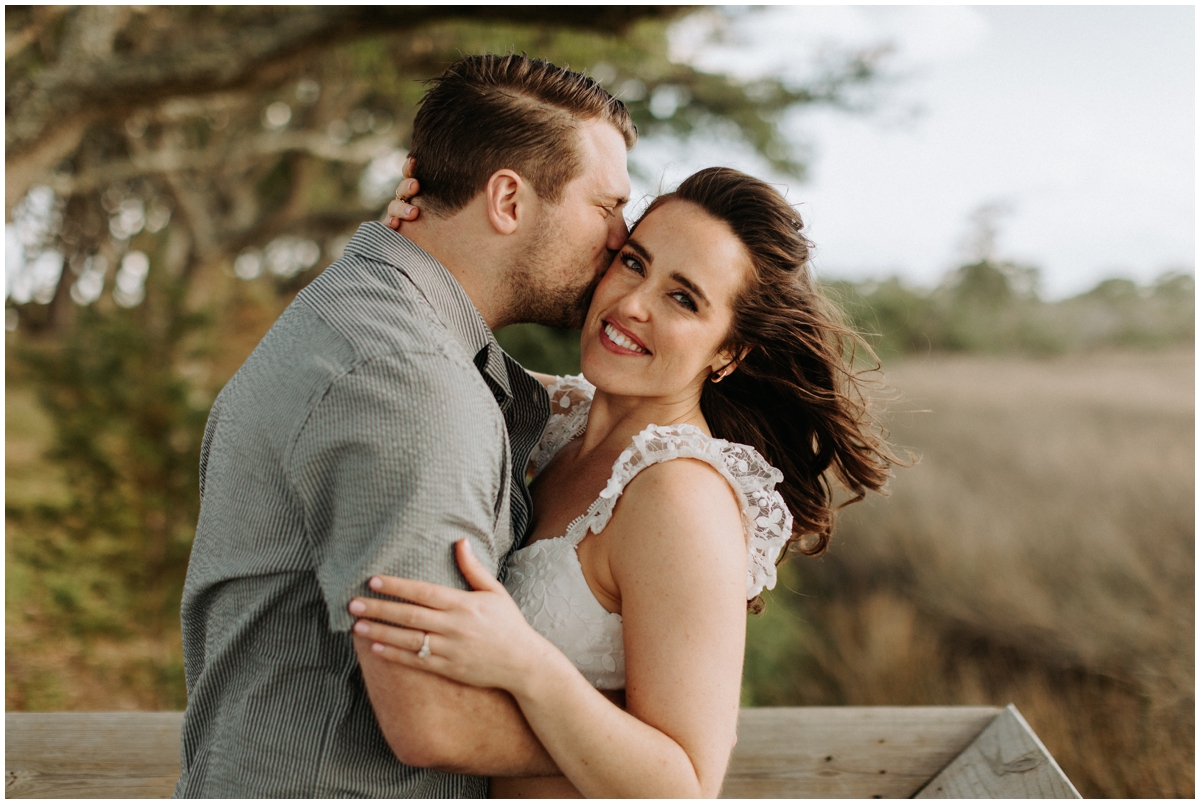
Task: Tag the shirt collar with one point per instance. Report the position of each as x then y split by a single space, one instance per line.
453 306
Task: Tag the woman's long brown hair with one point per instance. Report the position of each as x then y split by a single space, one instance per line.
796 396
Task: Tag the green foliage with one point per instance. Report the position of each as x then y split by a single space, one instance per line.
993 308
780 665
127 429
544 349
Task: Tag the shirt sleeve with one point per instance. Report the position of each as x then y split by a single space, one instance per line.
401 458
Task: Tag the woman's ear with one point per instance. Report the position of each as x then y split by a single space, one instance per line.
730 360
726 363
501 197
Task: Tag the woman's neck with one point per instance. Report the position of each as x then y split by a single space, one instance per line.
614 420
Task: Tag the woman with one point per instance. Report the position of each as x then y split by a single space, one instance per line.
707 339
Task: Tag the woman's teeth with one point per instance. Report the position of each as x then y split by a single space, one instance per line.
619 339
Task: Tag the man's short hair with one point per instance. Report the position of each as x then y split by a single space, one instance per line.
487 113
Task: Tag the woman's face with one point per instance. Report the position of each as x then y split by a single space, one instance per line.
664 308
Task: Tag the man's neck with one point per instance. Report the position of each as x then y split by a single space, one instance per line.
468 257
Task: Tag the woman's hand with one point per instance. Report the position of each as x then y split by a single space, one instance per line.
478 638
400 210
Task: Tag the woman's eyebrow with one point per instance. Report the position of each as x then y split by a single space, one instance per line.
692 286
641 251
648 259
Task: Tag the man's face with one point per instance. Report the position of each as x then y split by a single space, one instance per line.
577 238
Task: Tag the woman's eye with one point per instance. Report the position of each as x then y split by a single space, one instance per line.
684 299
632 264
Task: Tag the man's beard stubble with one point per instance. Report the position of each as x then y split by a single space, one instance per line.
535 300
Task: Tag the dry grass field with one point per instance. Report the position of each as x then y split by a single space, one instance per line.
1041 552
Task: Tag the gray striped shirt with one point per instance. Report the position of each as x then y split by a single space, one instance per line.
376 423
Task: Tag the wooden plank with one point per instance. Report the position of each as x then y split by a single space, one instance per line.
1007 760
847 752
857 752
91 754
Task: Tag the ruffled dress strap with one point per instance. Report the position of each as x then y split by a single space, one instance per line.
570 401
765 516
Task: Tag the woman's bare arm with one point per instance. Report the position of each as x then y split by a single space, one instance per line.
678 555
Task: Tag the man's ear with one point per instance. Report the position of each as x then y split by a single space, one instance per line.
504 199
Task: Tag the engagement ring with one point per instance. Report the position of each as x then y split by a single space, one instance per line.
424 652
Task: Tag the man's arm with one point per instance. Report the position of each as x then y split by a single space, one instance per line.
396 463
431 722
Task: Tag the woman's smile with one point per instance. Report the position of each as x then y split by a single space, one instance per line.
621 341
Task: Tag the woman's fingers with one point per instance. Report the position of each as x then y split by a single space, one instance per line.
432 663
433 595
473 571
410 165
402 614
404 638
399 211
407 188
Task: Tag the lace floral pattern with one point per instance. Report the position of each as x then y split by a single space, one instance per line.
570 399
546 579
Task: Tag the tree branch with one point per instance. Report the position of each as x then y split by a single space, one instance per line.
178 160
112 61
229 49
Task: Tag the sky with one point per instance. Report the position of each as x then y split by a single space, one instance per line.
1077 121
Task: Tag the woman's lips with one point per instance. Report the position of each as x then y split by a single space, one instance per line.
620 341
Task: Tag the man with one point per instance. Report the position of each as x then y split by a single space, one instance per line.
377 423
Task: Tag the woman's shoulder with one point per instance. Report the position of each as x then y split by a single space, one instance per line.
687 505
717 478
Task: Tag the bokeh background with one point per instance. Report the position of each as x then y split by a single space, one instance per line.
1003 201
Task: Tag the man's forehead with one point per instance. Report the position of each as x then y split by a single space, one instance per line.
605 159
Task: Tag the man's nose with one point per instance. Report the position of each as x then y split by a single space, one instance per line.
618 233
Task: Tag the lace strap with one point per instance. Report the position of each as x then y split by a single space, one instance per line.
570 400
765 516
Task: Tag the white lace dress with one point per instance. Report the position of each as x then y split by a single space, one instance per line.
546 579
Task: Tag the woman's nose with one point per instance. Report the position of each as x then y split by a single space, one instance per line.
633 304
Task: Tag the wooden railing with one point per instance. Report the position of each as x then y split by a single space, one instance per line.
805 752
